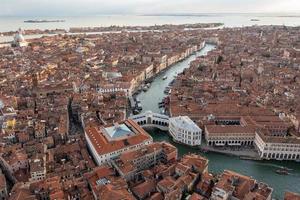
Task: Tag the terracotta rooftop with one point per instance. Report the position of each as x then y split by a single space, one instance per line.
227 129
291 196
103 146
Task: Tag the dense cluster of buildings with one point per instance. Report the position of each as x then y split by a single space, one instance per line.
155 172
245 92
64 132
64 97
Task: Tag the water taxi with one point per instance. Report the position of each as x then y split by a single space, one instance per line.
282 172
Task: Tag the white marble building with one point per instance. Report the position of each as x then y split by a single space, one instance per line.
185 131
277 148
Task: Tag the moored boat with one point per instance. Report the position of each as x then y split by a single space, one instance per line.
167 90
139 106
145 88
136 111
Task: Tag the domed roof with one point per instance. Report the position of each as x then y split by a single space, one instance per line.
19 36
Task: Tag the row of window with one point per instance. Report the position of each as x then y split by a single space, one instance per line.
282 149
230 138
112 90
286 145
190 142
232 134
189 137
115 153
186 132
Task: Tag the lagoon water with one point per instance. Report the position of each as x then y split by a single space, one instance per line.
229 20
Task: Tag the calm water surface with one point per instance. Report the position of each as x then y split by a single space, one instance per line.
229 20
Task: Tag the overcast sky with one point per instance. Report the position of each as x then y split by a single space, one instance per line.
92 7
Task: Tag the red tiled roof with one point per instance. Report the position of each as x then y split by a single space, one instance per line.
103 146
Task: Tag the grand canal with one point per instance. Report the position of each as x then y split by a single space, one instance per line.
260 170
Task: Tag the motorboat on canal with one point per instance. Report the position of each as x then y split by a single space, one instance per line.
165 77
285 168
139 107
137 100
163 111
282 172
172 82
161 104
167 90
145 88
136 111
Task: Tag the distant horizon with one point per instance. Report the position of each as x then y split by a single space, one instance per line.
285 14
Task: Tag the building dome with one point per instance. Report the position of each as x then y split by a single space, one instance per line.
19 39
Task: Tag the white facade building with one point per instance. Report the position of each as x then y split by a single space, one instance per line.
37 169
114 88
185 131
278 148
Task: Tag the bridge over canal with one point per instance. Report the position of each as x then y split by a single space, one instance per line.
149 119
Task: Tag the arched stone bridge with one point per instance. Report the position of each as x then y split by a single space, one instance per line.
150 119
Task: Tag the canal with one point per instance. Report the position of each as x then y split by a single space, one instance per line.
260 170
155 93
